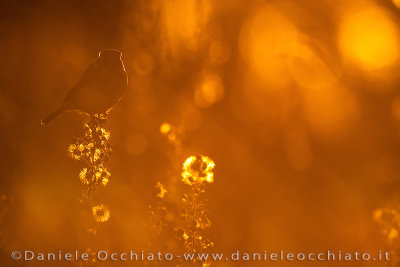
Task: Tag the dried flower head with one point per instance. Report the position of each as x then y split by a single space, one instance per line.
83 176
105 181
74 152
198 169
95 150
101 213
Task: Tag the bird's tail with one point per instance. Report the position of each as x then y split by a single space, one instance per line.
52 116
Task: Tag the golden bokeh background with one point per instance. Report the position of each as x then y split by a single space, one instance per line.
297 102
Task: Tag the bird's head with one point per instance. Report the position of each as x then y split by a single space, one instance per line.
110 56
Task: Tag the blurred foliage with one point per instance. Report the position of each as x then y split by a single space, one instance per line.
389 223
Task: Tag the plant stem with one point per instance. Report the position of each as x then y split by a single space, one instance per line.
194 201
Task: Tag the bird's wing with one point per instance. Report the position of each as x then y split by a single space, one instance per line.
88 76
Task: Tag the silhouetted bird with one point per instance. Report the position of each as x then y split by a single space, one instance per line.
100 87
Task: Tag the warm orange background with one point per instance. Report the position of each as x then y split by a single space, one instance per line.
296 102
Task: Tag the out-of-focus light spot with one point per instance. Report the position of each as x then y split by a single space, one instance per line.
266 41
182 21
171 136
396 3
369 37
393 234
136 143
309 70
297 147
165 128
377 214
209 92
220 52
143 64
331 110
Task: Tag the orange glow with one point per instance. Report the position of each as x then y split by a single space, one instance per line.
298 148
137 143
165 128
396 109
220 52
393 234
396 3
143 64
183 21
331 110
239 118
266 41
209 92
309 70
368 37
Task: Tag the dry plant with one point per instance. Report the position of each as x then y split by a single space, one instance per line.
181 226
197 172
158 210
159 220
94 150
164 207
389 221
178 214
